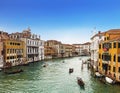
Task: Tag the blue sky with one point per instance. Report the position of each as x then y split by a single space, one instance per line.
69 21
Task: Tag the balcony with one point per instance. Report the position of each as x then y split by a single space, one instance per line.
106 49
105 62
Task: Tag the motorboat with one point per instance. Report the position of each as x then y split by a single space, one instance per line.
109 80
98 75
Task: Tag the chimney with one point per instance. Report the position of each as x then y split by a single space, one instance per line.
99 32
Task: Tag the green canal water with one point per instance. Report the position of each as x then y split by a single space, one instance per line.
54 78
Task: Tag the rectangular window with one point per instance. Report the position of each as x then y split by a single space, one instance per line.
13 51
100 46
2 52
100 56
10 43
119 70
118 58
7 57
106 57
113 69
109 67
110 57
118 45
107 38
110 45
114 58
114 44
7 50
10 51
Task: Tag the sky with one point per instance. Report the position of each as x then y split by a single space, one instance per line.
68 21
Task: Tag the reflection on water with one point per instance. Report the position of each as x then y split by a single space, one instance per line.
54 78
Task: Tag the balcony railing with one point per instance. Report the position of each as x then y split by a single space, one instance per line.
105 62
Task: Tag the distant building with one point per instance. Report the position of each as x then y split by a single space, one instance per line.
3 36
68 50
77 49
13 52
82 49
85 49
55 46
34 46
62 51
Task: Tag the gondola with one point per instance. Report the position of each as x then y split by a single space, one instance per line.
70 70
80 82
14 72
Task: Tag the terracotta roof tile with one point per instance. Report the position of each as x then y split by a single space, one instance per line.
113 31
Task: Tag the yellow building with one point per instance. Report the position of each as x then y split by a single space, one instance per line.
52 47
68 50
49 52
109 55
14 53
3 36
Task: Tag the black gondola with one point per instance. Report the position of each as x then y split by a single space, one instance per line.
70 70
14 72
80 82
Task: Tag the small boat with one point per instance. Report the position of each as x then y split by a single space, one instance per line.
80 81
70 70
109 80
26 64
98 75
84 62
45 65
14 72
89 59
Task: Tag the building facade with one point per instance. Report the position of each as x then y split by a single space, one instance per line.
14 53
109 55
34 46
86 48
95 40
77 49
68 50
55 47
3 36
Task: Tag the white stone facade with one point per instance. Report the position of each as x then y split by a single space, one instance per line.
95 40
35 50
32 50
41 50
34 46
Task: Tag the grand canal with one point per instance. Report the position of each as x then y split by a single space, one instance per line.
54 78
